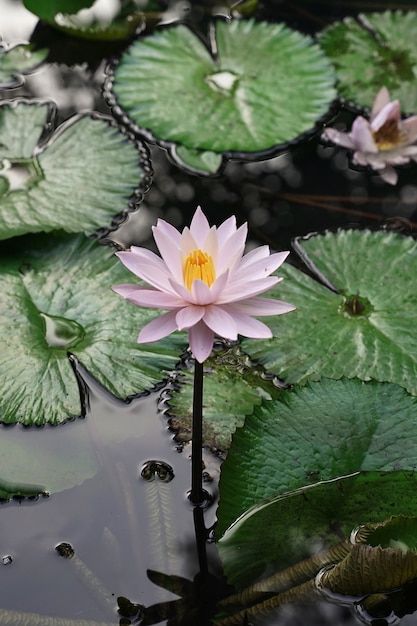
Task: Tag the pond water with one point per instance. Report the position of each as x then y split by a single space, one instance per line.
119 524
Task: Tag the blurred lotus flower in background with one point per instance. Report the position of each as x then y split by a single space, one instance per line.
383 141
206 283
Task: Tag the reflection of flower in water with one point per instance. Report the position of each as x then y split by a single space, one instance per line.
205 281
383 141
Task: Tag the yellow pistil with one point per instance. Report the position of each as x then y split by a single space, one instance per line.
388 136
199 265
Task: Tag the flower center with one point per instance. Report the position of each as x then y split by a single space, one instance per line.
199 266
388 136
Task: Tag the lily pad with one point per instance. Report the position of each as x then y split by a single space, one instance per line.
75 179
253 88
57 299
17 60
201 162
375 50
291 527
304 439
232 387
360 325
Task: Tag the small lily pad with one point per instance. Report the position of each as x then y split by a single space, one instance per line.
375 50
360 325
17 60
57 299
76 179
254 87
201 162
232 387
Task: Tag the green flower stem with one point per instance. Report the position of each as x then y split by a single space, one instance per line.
197 494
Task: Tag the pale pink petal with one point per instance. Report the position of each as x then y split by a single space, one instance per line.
182 292
160 279
389 175
152 298
226 230
201 293
201 340
247 290
211 246
233 249
262 306
199 227
188 243
219 285
159 327
189 316
220 322
361 134
250 327
410 126
254 255
134 259
170 252
381 100
168 230
391 111
260 268
339 138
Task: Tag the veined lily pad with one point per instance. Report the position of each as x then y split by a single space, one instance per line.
17 60
255 88
232 387
57 298
76 179
375 50
292 451
361 325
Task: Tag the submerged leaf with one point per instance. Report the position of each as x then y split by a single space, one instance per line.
57 298
76 179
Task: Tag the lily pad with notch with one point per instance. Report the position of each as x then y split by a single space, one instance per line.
56 300
355 316
248 92
76 178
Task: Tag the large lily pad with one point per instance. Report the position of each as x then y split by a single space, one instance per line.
360 325
76 179
375 50
256 87
57 299
301 441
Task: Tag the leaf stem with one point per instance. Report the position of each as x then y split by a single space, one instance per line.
197 494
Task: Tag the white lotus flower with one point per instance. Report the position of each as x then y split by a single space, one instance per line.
382 141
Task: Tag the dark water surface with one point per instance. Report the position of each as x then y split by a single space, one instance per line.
118 523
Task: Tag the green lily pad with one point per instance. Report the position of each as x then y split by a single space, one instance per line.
232 387
255 88
378 50
57 299
76 179
290 527
308 437
17 60
361 325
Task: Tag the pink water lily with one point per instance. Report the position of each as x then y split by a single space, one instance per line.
206 283
382 141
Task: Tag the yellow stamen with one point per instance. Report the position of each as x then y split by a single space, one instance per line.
388 136
199 266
